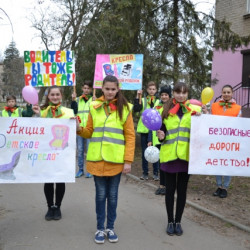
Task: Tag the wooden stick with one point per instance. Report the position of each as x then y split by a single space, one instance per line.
140 95
94 90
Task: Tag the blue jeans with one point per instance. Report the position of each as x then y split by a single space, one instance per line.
144 145
80 148
219 180
106 189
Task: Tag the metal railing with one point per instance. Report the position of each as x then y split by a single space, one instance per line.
241 94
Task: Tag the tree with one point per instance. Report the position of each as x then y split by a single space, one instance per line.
13 71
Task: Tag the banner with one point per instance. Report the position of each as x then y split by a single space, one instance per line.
128 68
219 145
48 68
37 150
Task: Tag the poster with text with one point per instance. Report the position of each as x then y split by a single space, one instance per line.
48 68
219 145
128 68
37 150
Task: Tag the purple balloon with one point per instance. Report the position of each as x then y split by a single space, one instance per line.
30 95
151 119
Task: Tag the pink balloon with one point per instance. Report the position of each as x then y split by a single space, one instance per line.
30 95
195 102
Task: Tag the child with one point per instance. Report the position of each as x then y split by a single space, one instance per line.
147 102
53 109
226 106
12 110
165 94
111 151
174 153
81 108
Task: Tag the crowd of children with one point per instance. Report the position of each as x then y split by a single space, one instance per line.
105 131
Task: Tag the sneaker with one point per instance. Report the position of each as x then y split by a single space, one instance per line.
88 175
178 230
163 191
100 237
79 173
112 237
57 213
158 191
50 214
156 178
223 193
144 177
217 192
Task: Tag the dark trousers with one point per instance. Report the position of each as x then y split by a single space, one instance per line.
144 145
179 182
49 193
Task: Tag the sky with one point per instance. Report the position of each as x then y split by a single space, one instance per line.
25 36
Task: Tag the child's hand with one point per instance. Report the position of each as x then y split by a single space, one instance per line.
94 98
36 109
160 134
73 96
139 92
126 168
204 109
149 144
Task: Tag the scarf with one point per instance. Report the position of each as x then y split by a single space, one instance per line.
53 111
159 106
85 97
9 109
178 105
150 99
110 105
226 104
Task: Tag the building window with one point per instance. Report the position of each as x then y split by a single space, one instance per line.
248 6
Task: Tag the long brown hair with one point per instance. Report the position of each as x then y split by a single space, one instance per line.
178 87
121 100
46 104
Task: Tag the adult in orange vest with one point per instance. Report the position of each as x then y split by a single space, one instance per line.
53 109
111 151
226 106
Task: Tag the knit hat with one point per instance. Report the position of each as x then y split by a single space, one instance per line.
166 89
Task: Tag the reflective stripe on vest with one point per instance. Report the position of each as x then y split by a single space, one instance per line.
107 142
140 126
176 143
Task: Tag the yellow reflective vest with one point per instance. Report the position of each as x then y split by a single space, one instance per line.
155 140
107 142
68 113
176 143
83 110
140 126
16 113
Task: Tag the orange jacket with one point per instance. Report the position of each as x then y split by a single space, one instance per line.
103 168
217 109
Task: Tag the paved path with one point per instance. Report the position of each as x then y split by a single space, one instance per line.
140 224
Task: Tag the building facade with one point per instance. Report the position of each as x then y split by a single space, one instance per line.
233 67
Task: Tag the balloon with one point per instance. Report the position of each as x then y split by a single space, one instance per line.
195 102
207 95
151 119
152 154
30 95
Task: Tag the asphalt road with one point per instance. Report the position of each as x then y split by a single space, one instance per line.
140 224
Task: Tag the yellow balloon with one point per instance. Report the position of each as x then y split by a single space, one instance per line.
207 95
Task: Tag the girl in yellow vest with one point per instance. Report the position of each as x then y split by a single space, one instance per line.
53 109
80 105
174 152
165 94
111 151
225 106
12 110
